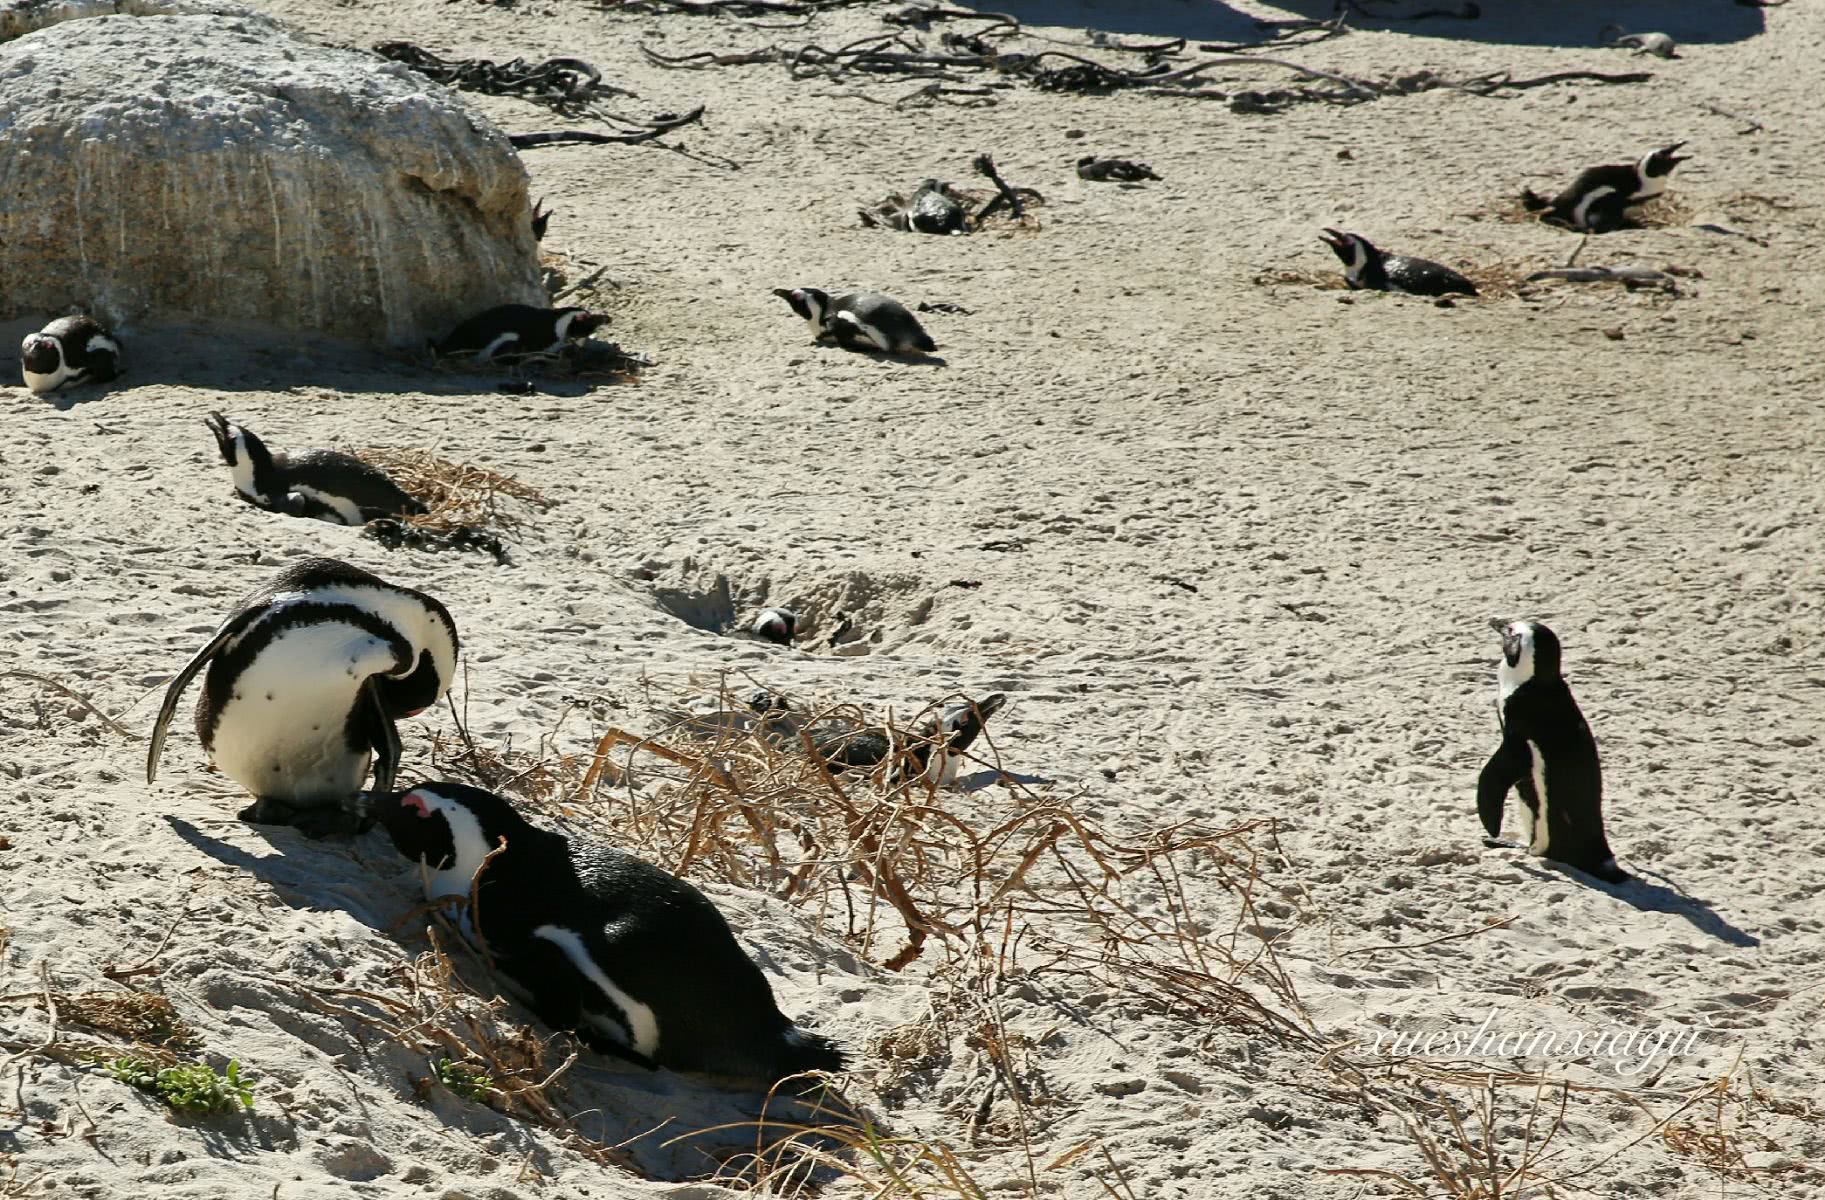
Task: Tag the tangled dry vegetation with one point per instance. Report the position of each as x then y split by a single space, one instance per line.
458 495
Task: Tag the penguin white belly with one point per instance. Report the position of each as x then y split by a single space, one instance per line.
280 732
1581 213
943 767
641 1035
1537 835
342 506
41 383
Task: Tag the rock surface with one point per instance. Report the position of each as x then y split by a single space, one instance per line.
212 169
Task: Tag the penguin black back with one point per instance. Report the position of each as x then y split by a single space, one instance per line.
638 962
1547 755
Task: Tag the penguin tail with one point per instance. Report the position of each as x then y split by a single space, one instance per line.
924 343
1532 201
800 1051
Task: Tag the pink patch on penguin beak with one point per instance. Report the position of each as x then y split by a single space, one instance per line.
413 713
416 803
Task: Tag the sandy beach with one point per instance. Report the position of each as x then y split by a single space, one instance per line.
1228 536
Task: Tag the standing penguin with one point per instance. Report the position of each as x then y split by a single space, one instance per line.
306 678
635 960
1366 267
68 350
935 748
1547 755
511 333
1600 198
325 484
859 320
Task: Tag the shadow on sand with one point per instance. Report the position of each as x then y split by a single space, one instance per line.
1664 897
1538 23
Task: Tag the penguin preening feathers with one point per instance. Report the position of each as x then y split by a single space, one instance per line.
859 320
1599 200
1547 755
1369 268
935 748
511 333
68 350
638 962
304 682
325 484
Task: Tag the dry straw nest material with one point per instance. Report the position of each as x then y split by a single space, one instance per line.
459 496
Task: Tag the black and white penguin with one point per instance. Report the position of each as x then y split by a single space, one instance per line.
638 962
935 748
1366 267
1600 198
68 350
1112 170
776 625
511 333
306 679
933 208
1547 755
325 484
859 320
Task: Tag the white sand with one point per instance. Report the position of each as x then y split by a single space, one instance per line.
1353 485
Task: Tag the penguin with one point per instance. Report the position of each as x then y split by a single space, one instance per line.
541 219
68 350
934 209
510 333
1548 755
1112 170
305 681
949 734
1366 267
635 960
325 484
776 625
859 320
1599 199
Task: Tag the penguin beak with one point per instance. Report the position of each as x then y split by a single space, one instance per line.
1333 239
1498 624
1673 158
989 705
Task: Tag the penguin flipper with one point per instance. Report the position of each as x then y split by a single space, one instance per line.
386 735
1505 768
173 693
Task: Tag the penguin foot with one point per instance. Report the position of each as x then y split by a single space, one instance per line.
1496 843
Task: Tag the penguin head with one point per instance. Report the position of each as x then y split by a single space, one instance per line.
1355 250
450 828
766 703
578 322
776 625
960 724
541 219
41 354
1529 650
432 671
809 303
1660 163
249 461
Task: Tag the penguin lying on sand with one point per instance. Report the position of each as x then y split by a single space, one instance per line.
859 320
325 484
305 680
1600 198
1112 170
1366 267
1547 755
935 748
512 333
68 350
776 625
638 962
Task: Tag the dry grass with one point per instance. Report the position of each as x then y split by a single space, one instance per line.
458 495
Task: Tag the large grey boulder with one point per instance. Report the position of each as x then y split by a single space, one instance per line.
212 169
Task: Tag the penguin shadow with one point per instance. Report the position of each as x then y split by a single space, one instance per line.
1646 896
1541 23
299 869
912 358
978 781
